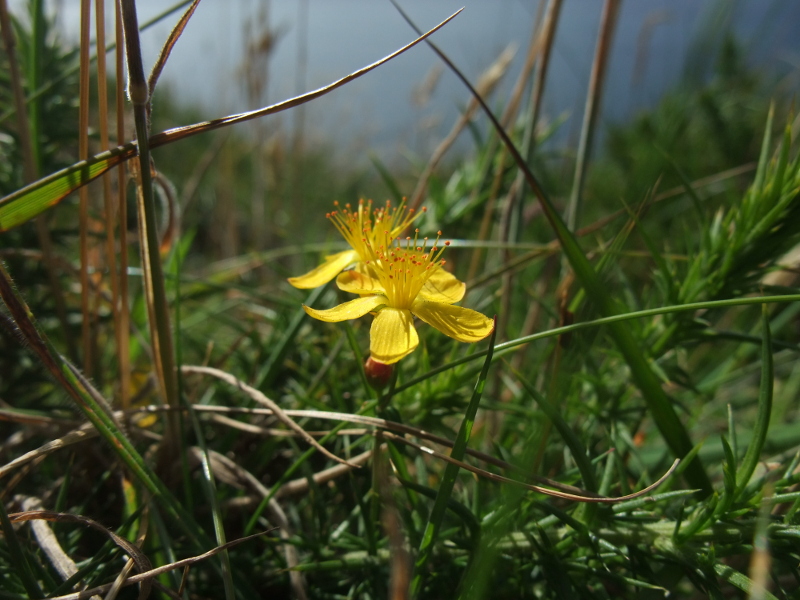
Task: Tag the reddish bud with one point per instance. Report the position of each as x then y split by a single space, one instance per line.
378 373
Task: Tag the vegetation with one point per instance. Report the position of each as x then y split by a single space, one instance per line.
167 407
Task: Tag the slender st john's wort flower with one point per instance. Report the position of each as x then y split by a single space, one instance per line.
360 227
395 285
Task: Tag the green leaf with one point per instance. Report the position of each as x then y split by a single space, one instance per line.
764 409
741 581
450 473
32 200
16 557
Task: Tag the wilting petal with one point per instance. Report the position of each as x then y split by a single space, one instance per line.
349 310
359 280
460 323
333 265
442 287
392 335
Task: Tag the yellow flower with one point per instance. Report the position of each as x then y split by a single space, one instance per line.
399 283
363 227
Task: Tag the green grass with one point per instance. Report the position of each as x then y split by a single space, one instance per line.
665 327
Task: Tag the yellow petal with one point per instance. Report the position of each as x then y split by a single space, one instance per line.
460 323
392 335
442 287
359 280
349 310
333 265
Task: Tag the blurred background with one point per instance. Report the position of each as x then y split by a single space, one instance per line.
239 55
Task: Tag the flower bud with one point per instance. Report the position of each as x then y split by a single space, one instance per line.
378 373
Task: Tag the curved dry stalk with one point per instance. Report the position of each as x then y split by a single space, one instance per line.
147 576
85 432
554 488
139 558
536 488
300 485
387 426
262 399
166 50
268 431
376 422
227 470
48 542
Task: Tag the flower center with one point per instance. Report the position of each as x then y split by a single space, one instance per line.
366 227
404 269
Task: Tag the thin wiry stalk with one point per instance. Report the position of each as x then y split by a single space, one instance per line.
86 432
511 217
154 284
108 207
510 113
486 84
153 573
83 154
608 23
122 311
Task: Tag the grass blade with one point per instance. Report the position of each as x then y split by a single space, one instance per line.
32 200
741 581
210 488
17 557
450 474
753 453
